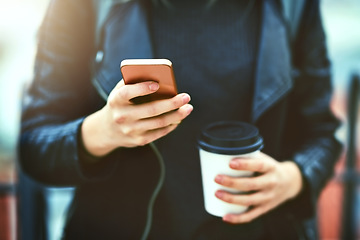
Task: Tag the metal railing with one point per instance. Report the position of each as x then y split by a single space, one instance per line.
351 176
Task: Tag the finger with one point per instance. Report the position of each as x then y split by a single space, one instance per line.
258 164
247 216
139 127
245 184
157 108
152 135
120 84
164 120
251 199
130 91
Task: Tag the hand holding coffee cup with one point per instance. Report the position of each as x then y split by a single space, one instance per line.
229 194
275 183
219 143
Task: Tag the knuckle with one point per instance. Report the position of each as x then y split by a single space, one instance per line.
122 94
184 114
160 123
164 131
152 111
272 167
272 182
120 118
260 167
167 129
241 164
176 103
253 185
228 198
141 141
245 219
228 182
250 185
127 130
112 101
248 201
271 195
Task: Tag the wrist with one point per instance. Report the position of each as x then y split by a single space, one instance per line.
92 136
294 175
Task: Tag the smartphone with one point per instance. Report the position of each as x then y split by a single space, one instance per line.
158 70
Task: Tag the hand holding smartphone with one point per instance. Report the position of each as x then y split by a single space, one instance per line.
157 70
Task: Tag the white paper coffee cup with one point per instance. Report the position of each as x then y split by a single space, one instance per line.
219 143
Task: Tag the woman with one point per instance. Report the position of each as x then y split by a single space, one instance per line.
235 61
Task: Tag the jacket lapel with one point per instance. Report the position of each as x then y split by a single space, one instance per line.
126 35
131 34
273 72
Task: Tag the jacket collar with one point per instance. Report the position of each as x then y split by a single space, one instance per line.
132 38
273 71
272 76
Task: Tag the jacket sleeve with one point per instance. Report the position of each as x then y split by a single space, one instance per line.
315 149
60 97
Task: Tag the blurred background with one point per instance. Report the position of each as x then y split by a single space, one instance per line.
19 20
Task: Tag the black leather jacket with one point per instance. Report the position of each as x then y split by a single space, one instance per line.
290 107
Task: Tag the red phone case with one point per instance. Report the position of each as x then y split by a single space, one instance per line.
158 70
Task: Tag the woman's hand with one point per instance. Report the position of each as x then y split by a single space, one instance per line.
277 183
120 123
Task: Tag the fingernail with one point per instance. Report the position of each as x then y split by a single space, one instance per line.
227 218
234 165
186 98
219 179
189 109
219 194
153 86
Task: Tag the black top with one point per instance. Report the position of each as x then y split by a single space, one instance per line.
213 50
